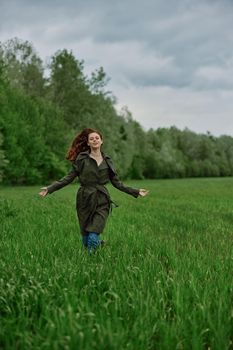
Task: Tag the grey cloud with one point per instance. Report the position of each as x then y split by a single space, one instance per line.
193 33
180 44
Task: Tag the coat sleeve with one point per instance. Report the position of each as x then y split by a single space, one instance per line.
116 182
120 186
74 172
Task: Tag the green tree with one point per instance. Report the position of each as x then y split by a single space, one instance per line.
98 82
31 145
68 88
23 67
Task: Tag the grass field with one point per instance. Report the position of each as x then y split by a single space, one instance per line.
164 281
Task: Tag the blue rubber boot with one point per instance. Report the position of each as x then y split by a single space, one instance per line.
93 242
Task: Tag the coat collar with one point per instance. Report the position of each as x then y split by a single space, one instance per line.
82 155
85 154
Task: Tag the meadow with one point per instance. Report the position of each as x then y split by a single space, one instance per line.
163 280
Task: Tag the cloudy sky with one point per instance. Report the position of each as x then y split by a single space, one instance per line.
170 62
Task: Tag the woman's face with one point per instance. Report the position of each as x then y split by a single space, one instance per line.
94 140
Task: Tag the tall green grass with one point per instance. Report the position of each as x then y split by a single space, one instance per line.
163 281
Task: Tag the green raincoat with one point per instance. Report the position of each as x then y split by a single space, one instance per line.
93 202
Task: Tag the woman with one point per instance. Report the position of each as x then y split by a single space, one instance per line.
95 170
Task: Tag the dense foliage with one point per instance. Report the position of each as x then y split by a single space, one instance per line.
41 113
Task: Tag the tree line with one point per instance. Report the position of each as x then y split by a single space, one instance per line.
43 107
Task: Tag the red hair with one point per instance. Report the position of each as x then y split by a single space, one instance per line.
79 144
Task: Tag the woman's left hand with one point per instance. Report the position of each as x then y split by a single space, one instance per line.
143 192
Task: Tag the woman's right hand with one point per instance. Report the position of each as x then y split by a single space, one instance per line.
44 191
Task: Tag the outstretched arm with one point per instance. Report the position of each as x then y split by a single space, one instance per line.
59 183
120 186
62 182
